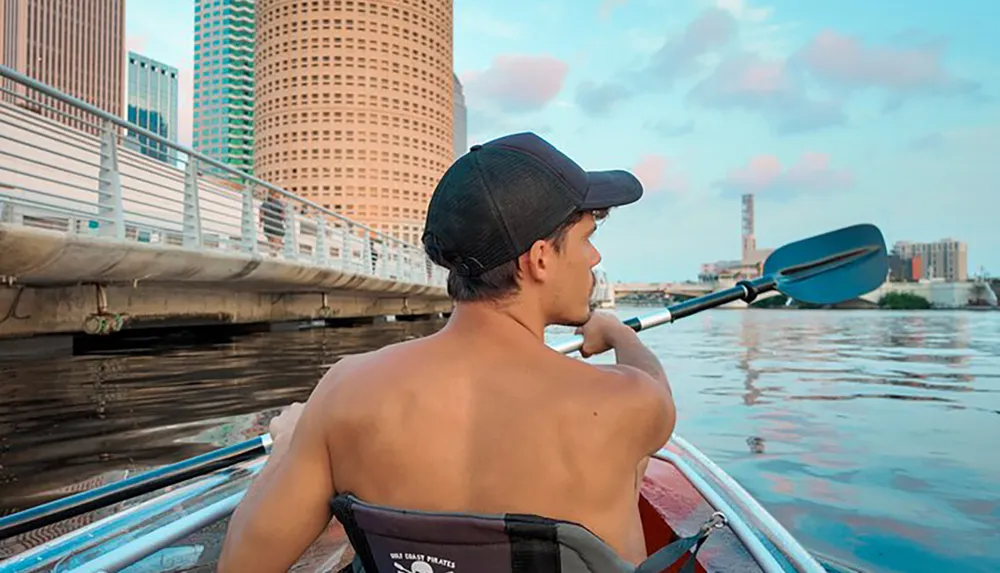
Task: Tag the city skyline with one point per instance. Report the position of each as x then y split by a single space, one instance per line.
838 116
945 258
74 46
152 105
223 81
354 107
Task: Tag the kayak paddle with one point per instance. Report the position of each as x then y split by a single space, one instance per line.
826 269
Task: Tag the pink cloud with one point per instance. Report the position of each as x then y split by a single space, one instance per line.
747 81
763 78
764 174
518 82
814 172
774 88
657 175
761 172
847 61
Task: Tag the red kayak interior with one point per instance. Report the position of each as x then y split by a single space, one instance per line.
671 508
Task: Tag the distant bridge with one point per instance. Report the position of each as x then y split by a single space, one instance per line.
677 290
940 294
684 290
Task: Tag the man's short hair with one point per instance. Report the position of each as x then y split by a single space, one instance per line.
501 282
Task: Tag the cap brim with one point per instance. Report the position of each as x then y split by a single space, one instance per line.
608 189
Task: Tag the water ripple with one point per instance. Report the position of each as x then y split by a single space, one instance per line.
871 435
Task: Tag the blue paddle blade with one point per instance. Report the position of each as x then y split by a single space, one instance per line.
833 267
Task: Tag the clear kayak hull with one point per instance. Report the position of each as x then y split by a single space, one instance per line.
182 528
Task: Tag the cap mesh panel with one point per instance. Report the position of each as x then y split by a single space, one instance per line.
491 206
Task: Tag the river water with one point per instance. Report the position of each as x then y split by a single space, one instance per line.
871 435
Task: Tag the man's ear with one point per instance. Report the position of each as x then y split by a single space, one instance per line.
537 262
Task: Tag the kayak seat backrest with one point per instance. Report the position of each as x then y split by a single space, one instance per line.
391 540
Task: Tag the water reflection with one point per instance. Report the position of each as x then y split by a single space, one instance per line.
885 417
869 434
862 451
749 341
70 421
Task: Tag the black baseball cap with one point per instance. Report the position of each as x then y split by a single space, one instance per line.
495 201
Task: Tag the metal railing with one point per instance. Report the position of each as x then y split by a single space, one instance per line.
85 171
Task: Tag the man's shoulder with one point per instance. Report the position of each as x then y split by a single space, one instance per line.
340 371
611 407
614 379
617 393
362 364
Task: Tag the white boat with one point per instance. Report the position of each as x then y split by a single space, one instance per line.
604 290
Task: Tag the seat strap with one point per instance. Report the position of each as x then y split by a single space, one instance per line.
344 512
354 566
672 553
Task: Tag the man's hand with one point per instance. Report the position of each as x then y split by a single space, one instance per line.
287 506
600 332
281 429
283 425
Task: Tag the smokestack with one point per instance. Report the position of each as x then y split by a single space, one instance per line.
749 244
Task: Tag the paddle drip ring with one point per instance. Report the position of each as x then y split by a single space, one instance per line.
751 290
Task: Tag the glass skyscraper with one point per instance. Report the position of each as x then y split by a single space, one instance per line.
223 81
152 105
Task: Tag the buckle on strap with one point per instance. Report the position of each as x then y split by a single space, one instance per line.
718 520
674 552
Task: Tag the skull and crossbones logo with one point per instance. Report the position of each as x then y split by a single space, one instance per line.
417 567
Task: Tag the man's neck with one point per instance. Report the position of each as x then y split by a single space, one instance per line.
506 319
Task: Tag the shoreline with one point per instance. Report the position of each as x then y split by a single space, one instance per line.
834 308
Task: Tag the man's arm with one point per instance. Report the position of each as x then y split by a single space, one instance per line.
630 351
654 401
641 379
287 506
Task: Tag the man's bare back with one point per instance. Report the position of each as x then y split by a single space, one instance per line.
488 424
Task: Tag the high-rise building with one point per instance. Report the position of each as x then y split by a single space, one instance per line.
909 269
13 38
74 46
354 105
751 258
223 129
748 241
945 259
152 105
460 120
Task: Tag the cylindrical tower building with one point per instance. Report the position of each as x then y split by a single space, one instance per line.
353 105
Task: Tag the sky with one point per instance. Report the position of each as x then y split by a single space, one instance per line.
831 113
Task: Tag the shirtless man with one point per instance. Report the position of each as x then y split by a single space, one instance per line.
482 416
